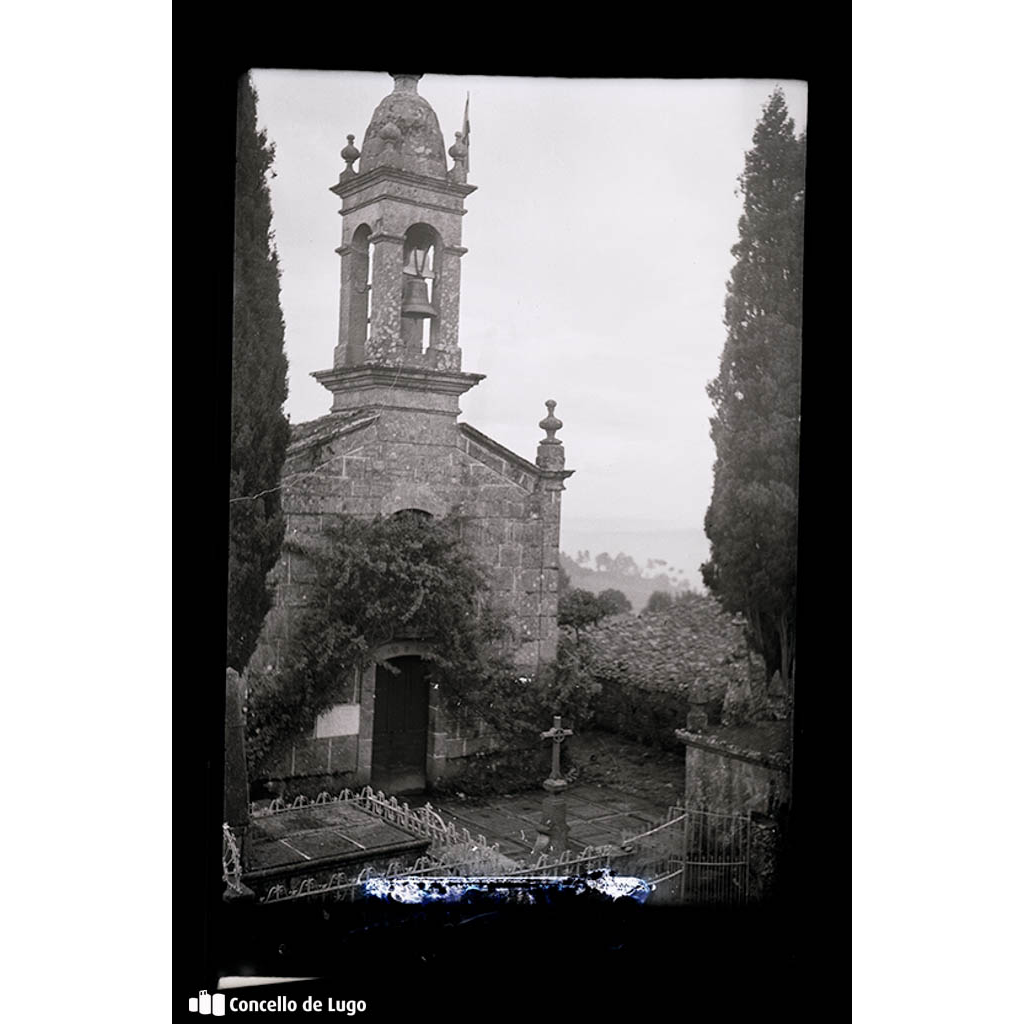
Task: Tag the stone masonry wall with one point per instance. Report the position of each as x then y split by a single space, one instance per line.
365 464
509 520
727 784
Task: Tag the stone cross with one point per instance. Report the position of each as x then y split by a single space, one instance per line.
557 735
553 830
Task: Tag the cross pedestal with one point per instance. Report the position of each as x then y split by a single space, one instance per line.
553 830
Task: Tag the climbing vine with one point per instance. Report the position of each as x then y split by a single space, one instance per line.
380 580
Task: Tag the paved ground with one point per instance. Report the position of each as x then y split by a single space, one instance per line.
596 815
621 786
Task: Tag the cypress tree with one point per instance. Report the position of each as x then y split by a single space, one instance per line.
752 519
259 386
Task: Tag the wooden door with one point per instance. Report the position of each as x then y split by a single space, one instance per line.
400 727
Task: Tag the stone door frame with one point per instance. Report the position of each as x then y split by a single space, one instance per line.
436 736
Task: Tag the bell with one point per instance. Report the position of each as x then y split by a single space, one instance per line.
415 301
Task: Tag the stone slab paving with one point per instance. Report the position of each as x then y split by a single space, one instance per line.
323 835
596 815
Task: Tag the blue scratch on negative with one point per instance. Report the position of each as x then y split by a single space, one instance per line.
518 889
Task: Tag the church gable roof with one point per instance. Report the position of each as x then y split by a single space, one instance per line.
499 458
327 428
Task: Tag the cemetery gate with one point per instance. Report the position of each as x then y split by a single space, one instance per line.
695 856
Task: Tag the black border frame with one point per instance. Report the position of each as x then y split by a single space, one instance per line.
694 957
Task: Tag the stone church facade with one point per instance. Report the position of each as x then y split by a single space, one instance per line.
393 442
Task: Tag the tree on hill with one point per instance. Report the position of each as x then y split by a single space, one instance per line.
752 519
659 601
580 608
614 602
259 386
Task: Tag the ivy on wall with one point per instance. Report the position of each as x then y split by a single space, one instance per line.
396 578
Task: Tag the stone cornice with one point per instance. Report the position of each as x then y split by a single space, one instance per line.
368 376
714 745
420 203
360 181
555 474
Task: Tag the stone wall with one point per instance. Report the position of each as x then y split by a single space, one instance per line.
366 466
645 715
723 782
655 668
365 463
306 767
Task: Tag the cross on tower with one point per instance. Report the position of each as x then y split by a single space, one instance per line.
557 736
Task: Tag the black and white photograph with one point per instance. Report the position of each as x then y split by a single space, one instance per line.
514 491
454 463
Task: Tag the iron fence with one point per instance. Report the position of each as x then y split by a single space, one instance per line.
692 856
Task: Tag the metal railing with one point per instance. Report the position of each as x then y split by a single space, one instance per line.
694 855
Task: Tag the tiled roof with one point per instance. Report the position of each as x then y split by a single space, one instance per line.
325 428
668 651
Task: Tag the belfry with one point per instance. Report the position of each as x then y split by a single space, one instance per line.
392 442
401 245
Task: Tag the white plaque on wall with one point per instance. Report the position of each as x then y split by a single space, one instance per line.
341 720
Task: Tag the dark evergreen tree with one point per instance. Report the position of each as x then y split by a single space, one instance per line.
752 519
259 386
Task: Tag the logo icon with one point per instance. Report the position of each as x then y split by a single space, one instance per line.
207 1004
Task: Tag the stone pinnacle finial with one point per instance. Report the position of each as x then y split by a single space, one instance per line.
458 151
550 423
350 155
550 453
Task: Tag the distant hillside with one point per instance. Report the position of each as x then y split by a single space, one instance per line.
637 588
681 550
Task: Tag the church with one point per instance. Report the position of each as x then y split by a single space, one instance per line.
393 443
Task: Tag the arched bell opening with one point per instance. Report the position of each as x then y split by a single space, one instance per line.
422 244
360 285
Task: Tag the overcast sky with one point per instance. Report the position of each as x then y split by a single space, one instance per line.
598 242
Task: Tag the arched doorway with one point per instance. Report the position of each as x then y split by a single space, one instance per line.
400 718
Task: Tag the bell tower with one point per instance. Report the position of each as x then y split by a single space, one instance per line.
398 335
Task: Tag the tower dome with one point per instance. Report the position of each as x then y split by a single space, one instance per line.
404 133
